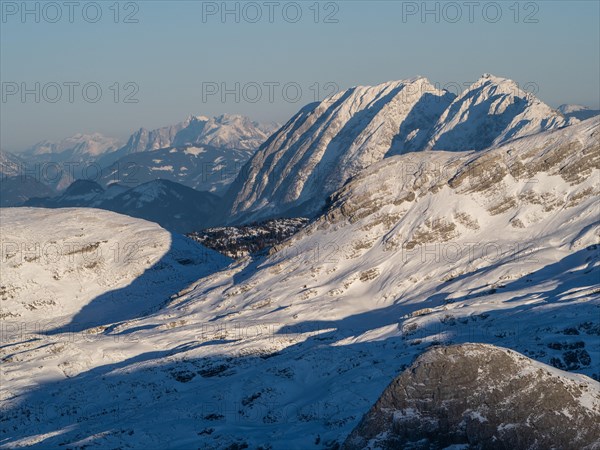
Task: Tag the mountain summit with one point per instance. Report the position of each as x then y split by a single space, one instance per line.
79 147
226 130
491 111
327 143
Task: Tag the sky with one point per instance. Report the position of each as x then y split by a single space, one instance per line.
113 67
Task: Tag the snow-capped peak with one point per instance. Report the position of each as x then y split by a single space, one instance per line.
326 143
226 130
491 111
80 144
492 85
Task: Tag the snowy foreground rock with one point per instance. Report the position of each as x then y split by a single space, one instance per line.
482 396
291 349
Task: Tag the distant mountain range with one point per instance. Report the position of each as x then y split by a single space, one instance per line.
74 148
202 153
171 205
578 111
201 167
226 131
291 173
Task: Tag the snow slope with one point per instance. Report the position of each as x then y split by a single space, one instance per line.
289 351
78 265
325 144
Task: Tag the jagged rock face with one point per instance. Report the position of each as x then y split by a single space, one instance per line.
482 396
326 144
145 140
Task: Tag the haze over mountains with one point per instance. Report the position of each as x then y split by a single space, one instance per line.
226 131
578 111
82 146
202 153
73 153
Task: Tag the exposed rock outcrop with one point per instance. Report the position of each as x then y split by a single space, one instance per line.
482 396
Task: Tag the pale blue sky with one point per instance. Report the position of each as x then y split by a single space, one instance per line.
170 52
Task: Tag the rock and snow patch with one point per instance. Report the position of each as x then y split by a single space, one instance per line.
485 397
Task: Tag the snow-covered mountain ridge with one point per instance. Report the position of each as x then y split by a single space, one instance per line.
172 205
78 147
491 111
228 131
201 167
578 111
326 144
